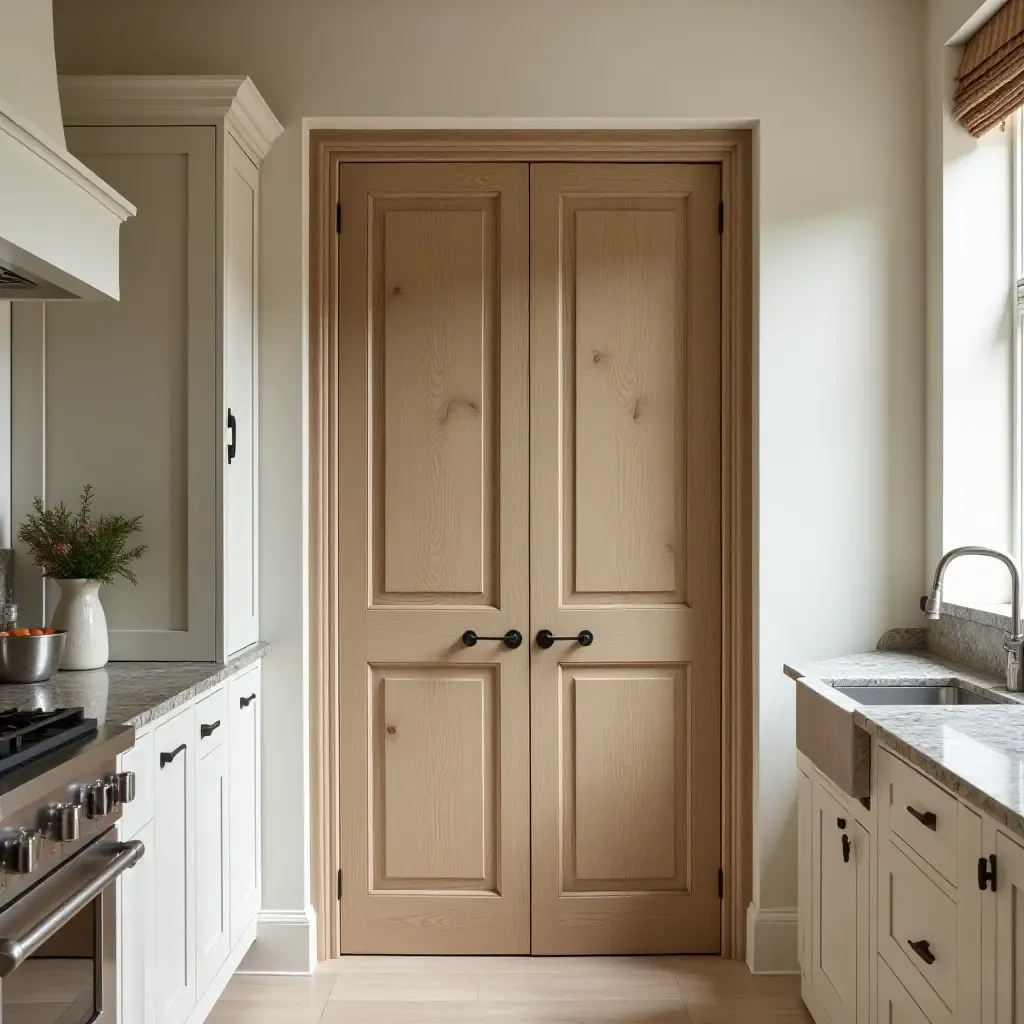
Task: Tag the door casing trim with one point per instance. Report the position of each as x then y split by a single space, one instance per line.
733 150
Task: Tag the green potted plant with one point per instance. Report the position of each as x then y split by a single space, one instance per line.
81 553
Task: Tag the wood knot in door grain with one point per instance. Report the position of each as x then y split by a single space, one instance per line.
398 290
598 358
391 730
454 403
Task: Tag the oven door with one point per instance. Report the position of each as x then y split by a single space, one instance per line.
58 941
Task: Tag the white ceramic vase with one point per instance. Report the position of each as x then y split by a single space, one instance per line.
79 612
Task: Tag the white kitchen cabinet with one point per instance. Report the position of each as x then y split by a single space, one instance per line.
895 1005
244 741
213 929
174 853
1004 930
136 935
175 437
840 873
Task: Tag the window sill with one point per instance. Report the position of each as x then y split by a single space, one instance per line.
995 615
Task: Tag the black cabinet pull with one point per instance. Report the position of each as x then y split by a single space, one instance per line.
208 730
512 639
927 818
244 702
985 873
233 443
166 759
546 639
847 846
920 947
840 823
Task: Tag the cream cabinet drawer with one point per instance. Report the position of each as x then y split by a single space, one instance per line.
211 721
139 760
917 933
921 813
895 1006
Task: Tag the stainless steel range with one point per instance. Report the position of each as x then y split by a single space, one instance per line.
60 800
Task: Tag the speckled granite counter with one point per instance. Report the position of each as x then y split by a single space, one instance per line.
128 692
975 750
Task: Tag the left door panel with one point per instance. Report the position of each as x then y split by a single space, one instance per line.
433 312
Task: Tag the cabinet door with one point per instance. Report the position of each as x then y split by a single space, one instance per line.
212 918
173 865
805 814
135 936
894 1003
1009 931
244 741
834 906
241 202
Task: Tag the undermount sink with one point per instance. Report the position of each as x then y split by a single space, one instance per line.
946 693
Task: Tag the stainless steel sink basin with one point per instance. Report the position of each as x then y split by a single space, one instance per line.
947 693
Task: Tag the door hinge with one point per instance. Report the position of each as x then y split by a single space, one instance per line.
339 884
721 219
337 218
721 883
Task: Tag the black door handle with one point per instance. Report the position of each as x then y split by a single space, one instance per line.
985 873
546 639
208 730
927 818
244 702
847 846
920 947
233 443
512 639
166 759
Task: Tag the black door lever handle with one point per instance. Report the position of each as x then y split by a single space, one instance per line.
512 639
546 639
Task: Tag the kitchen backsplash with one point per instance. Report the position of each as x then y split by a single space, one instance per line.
970 636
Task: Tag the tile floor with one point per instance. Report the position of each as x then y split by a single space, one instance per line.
509 990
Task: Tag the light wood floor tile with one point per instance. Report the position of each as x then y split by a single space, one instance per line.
516 990
416 986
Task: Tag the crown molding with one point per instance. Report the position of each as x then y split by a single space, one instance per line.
231 100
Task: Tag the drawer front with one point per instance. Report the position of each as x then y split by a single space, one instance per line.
211 721
921 813
917 933
139 760
895 1006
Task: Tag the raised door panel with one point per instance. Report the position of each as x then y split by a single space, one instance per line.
145 444
433 432
834 907
626 543
136 935
805 816
245 699
240 452
1009 931
213 929
173 869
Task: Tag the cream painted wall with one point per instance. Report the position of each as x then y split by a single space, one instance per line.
835 89
28 73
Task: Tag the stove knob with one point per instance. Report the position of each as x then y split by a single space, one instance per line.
124 783
98 799
62 822
21 852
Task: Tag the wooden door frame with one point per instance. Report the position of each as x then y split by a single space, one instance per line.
732 149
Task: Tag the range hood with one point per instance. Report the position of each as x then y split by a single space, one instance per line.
59 222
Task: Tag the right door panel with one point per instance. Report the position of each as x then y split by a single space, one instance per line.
626 543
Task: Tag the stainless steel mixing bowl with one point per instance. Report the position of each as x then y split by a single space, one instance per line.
31 659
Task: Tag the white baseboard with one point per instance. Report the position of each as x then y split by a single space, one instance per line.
285 943
772 940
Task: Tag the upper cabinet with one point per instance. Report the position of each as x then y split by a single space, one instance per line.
154 400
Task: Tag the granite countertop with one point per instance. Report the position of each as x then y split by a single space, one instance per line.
977 751
128 692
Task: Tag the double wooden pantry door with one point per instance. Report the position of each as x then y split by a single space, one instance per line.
529 440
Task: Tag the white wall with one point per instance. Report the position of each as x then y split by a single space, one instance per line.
28 73
835 87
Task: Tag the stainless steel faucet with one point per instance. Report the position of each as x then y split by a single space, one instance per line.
1013 642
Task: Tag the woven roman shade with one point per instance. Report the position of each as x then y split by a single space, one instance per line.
990 80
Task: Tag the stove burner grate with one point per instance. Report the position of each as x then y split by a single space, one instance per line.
26 735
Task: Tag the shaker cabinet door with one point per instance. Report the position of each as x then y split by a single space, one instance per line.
245 701
213 930
136 935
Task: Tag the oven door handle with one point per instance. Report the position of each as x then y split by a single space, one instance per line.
14 951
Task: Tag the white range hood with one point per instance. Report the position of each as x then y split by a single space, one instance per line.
59 222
